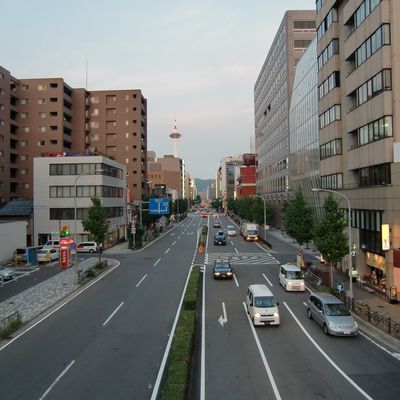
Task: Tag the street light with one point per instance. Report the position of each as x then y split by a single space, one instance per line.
265 214
76 181
349 227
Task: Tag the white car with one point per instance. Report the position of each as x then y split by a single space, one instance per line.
230 230
47 255
52 244
87 247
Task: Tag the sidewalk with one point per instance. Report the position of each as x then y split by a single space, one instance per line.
281 242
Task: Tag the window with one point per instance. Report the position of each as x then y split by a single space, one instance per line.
334 181
42 115
24 87
24 157
94 100
376 175
332 148
24 143
54 85
331 115
53 113
301 44
376 130
42 129
94 124
24 115
53 142
362 12
328 53
24 101
41 87
41 101
94 112
329 84
40 143
330 18
53 99
23 171
26 129
53 127
380 82
304 25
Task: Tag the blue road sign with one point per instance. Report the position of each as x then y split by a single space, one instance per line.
158 206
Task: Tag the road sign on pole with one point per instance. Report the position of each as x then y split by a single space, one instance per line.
159 206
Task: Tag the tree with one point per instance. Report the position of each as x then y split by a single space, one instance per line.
216 204
329 236
298 219
95 223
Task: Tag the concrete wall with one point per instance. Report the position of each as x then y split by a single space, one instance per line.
12 236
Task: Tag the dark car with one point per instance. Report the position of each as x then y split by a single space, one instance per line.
220 238
217 224
222 269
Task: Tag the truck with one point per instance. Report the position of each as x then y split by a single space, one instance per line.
249 232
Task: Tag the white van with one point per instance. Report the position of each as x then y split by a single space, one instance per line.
52 244
291 277
262 306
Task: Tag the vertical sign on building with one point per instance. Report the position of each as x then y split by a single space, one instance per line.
385 237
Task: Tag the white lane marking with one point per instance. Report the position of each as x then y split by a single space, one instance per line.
268 280
137 285
179 237
231 243
203 339
166 251
264 359
236 281
156 387
112 314
57 379
236 250
172 234
60 306
157 261
223 319
305 303
174 243
308 289
334 365
394 355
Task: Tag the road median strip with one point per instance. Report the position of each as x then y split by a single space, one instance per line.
180 359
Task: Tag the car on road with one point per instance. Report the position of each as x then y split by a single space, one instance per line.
217 224
332 314
204 215
230 230
220 238
222 269
6 273
262 306
52 244
47 255
291 278
87 247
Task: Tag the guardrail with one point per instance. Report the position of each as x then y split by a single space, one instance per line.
313 279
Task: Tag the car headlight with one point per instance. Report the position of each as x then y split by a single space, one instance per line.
257 315
332 325
216 273
276 315
229 273
355 325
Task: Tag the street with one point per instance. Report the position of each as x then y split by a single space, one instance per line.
109 342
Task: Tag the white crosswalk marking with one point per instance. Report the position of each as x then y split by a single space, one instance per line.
242 258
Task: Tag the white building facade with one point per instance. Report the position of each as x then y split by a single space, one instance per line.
61 183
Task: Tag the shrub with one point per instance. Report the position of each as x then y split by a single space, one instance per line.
11 327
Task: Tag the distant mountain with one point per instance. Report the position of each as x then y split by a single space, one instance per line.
202 184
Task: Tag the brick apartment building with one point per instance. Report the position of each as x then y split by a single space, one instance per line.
246 182
42 116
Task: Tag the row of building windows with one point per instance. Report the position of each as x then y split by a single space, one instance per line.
328 53
77 169
330 18
378 39
378 83
334 181
331 115
85 191
374 175
362 12
376 130
329 84
332 148
301 44
82 213
366 219
304 25
319 4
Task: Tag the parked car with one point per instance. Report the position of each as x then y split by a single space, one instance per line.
47 255
222 269
20 255
220 238
230 230
217 224
7 273
52 244
87 247
332 314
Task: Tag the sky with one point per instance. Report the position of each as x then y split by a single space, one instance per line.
196 61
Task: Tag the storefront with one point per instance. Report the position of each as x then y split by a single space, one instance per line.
376 277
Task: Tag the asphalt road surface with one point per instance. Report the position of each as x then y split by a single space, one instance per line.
110 340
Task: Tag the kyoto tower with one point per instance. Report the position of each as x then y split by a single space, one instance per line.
175 135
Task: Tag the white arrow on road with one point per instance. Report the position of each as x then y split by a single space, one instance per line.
223 318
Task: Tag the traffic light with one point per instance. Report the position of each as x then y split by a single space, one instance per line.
64 231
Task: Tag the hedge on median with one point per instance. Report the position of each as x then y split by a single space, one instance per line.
180 359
